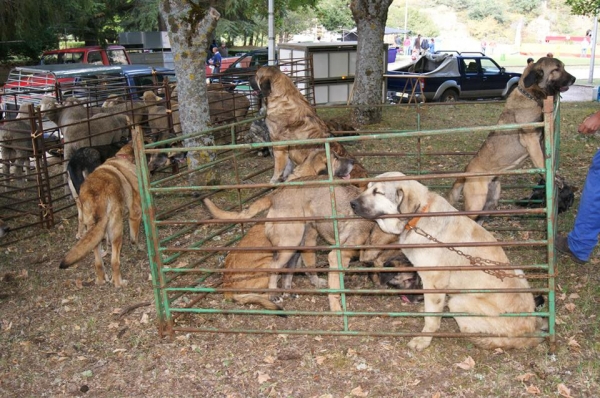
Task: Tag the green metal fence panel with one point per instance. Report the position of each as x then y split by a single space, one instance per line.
188 249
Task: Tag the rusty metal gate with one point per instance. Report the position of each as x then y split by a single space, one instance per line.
188 249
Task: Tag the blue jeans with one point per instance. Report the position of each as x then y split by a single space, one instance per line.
583 238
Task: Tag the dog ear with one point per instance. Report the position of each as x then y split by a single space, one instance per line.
533 75
265 87
407 203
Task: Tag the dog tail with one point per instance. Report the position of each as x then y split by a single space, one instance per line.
456 190
87 243
256 299
260 205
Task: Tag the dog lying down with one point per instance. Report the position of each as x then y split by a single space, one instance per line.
407 197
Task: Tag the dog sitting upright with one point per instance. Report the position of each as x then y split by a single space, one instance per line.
410 197
104 195
507 150
291 117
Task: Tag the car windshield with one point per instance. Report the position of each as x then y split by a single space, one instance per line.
63 58
117 57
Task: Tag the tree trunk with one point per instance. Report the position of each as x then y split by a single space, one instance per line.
370 17
189 25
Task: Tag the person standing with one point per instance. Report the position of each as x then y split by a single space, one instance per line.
585 43
417 46
407 47
223 50
583 238
483 46
432 45
215 61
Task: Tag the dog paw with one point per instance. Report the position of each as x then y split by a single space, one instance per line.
419 343
277 299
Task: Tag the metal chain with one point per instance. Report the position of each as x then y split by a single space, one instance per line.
478 261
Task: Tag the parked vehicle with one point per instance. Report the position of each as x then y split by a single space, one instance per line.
245 66
28 84
225 64
95 55
450 76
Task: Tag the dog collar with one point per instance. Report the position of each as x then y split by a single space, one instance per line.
413 221
526 94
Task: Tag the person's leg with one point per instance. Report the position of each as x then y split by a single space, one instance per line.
584 235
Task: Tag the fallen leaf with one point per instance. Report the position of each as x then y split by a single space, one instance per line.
318 338
437 395
269 359
351 353
498 351
113 325
358 392
116 311
263 377
525 377
570 306
564 391
144 318
561 297
320 360
119 350
573 343
78 284
467 364
533 390
415 382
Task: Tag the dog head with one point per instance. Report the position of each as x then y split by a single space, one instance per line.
159 160
126 152
547 77
316 164
402 280
270 82
390 197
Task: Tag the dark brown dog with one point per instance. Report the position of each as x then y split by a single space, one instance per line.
291 117
507 150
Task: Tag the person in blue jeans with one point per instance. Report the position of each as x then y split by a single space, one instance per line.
583 238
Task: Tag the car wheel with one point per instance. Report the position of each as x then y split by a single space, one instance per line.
449 96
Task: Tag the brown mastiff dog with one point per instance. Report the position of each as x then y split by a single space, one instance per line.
409 197
291 117
105 194
507 150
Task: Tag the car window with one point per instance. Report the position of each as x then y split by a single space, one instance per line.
95 58
470 66
242 62
72 58
117 57
489 67
260 59
49 59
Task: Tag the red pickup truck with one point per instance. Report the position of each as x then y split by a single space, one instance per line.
95 55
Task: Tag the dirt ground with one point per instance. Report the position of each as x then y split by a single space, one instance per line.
61 335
